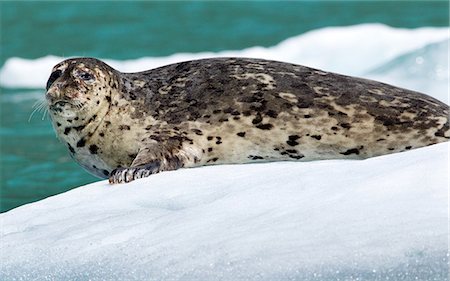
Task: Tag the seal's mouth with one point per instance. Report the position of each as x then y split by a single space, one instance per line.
59 105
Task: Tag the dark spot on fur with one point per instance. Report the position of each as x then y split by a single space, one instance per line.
92 118
81 143
386 120
69 120
236 118
217 111
67 130
105 172
391 148
255 157
223 120
213 160
248 99
317 137
307 116
264 126
98 102
247 113
79 128
381 139
93 149
209 138
241 134
408 147
58 124
334 128
71 148
259 106
300 156
291 150
441 131
102 134
197 132
257 119
272 113
228 110
292 141
303 104
346 125
351 151
76 118
132 156
108 98
124 127
210 149
219 140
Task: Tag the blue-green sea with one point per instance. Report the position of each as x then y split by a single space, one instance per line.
34 165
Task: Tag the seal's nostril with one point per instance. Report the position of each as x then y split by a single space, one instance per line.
48 96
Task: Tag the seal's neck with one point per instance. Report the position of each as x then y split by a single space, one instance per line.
81 127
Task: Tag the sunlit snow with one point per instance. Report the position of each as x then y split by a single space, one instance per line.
375 219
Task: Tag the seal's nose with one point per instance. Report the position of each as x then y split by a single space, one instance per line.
53 92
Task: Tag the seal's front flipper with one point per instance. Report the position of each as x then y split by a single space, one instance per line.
123 175
151 160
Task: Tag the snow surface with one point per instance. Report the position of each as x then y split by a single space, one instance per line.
384 218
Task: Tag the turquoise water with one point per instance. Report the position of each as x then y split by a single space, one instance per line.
33 163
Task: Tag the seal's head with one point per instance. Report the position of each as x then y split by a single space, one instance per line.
79 87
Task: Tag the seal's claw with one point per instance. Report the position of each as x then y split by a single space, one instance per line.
124 175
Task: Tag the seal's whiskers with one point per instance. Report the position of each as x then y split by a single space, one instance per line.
39 105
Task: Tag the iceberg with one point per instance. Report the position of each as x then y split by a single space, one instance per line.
384 218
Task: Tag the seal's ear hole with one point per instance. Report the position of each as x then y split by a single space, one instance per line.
55 75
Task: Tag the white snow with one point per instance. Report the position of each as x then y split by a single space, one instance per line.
384 218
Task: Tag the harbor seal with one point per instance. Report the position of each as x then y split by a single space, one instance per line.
125 126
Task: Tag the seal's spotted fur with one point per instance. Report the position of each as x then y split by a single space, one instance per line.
230 110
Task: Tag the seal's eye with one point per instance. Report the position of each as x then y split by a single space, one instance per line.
55 75
86 76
